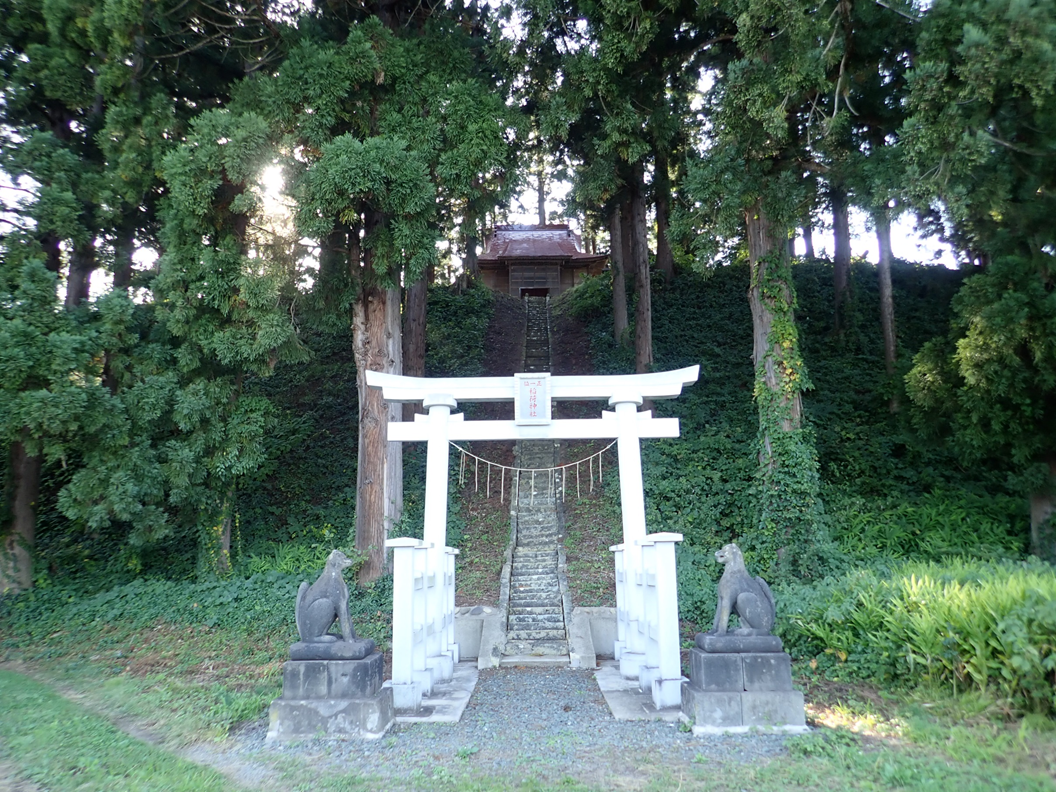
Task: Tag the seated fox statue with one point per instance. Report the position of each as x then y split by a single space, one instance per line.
740 593
318 607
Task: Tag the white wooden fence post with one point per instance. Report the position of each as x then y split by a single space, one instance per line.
621 601
647 624
632 505
434 532
667 682
406 690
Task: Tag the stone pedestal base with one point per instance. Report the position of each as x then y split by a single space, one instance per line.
742 711
738 691
332 698
300 720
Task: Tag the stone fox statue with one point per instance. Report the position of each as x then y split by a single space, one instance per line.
324 602
740 593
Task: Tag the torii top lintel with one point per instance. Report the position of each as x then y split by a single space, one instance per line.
657 385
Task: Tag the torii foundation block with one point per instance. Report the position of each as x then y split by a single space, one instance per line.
332 699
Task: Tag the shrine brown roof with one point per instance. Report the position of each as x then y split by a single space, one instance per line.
535 242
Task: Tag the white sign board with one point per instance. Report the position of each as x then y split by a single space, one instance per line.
531 400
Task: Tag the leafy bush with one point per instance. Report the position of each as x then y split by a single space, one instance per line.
931 526
962 623
261 604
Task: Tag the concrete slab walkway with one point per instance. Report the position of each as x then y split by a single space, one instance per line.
448 700
625 700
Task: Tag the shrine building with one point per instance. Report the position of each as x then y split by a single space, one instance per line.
536 260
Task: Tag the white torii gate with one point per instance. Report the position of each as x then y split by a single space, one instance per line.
423 647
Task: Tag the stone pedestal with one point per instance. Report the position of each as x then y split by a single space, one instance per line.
332 698
735 691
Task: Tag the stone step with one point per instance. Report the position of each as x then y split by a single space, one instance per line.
536 600
534 555
535 592
547 622
552 621
533 523
525 584
538 529
536 610
531 574
556 660
539 513
551 602
538 542
524 649
535 635
535 539
521 571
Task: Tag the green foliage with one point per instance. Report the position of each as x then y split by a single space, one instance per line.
260 604
887 492
300 504
963 624
991 383
455 331
930 526
304 492
825 744
982 112
994 378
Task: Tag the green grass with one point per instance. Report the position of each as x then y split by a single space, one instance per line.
60 745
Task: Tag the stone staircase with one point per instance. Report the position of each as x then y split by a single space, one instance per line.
537 335
536 615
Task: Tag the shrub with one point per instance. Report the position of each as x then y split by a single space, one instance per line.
931 526
959 622
261 604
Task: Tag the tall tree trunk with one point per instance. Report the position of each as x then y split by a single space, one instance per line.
52 252
665 261
1043 517
643 315
469 263
887 302
841 260
371 354
16 555
372 348
394 451
619 283
808 239
765 241
78 284
788 505
223 561
124 248
630 275
414 317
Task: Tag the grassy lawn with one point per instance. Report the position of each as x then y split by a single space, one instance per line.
59 745
867 739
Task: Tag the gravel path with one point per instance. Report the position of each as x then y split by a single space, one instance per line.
544 724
